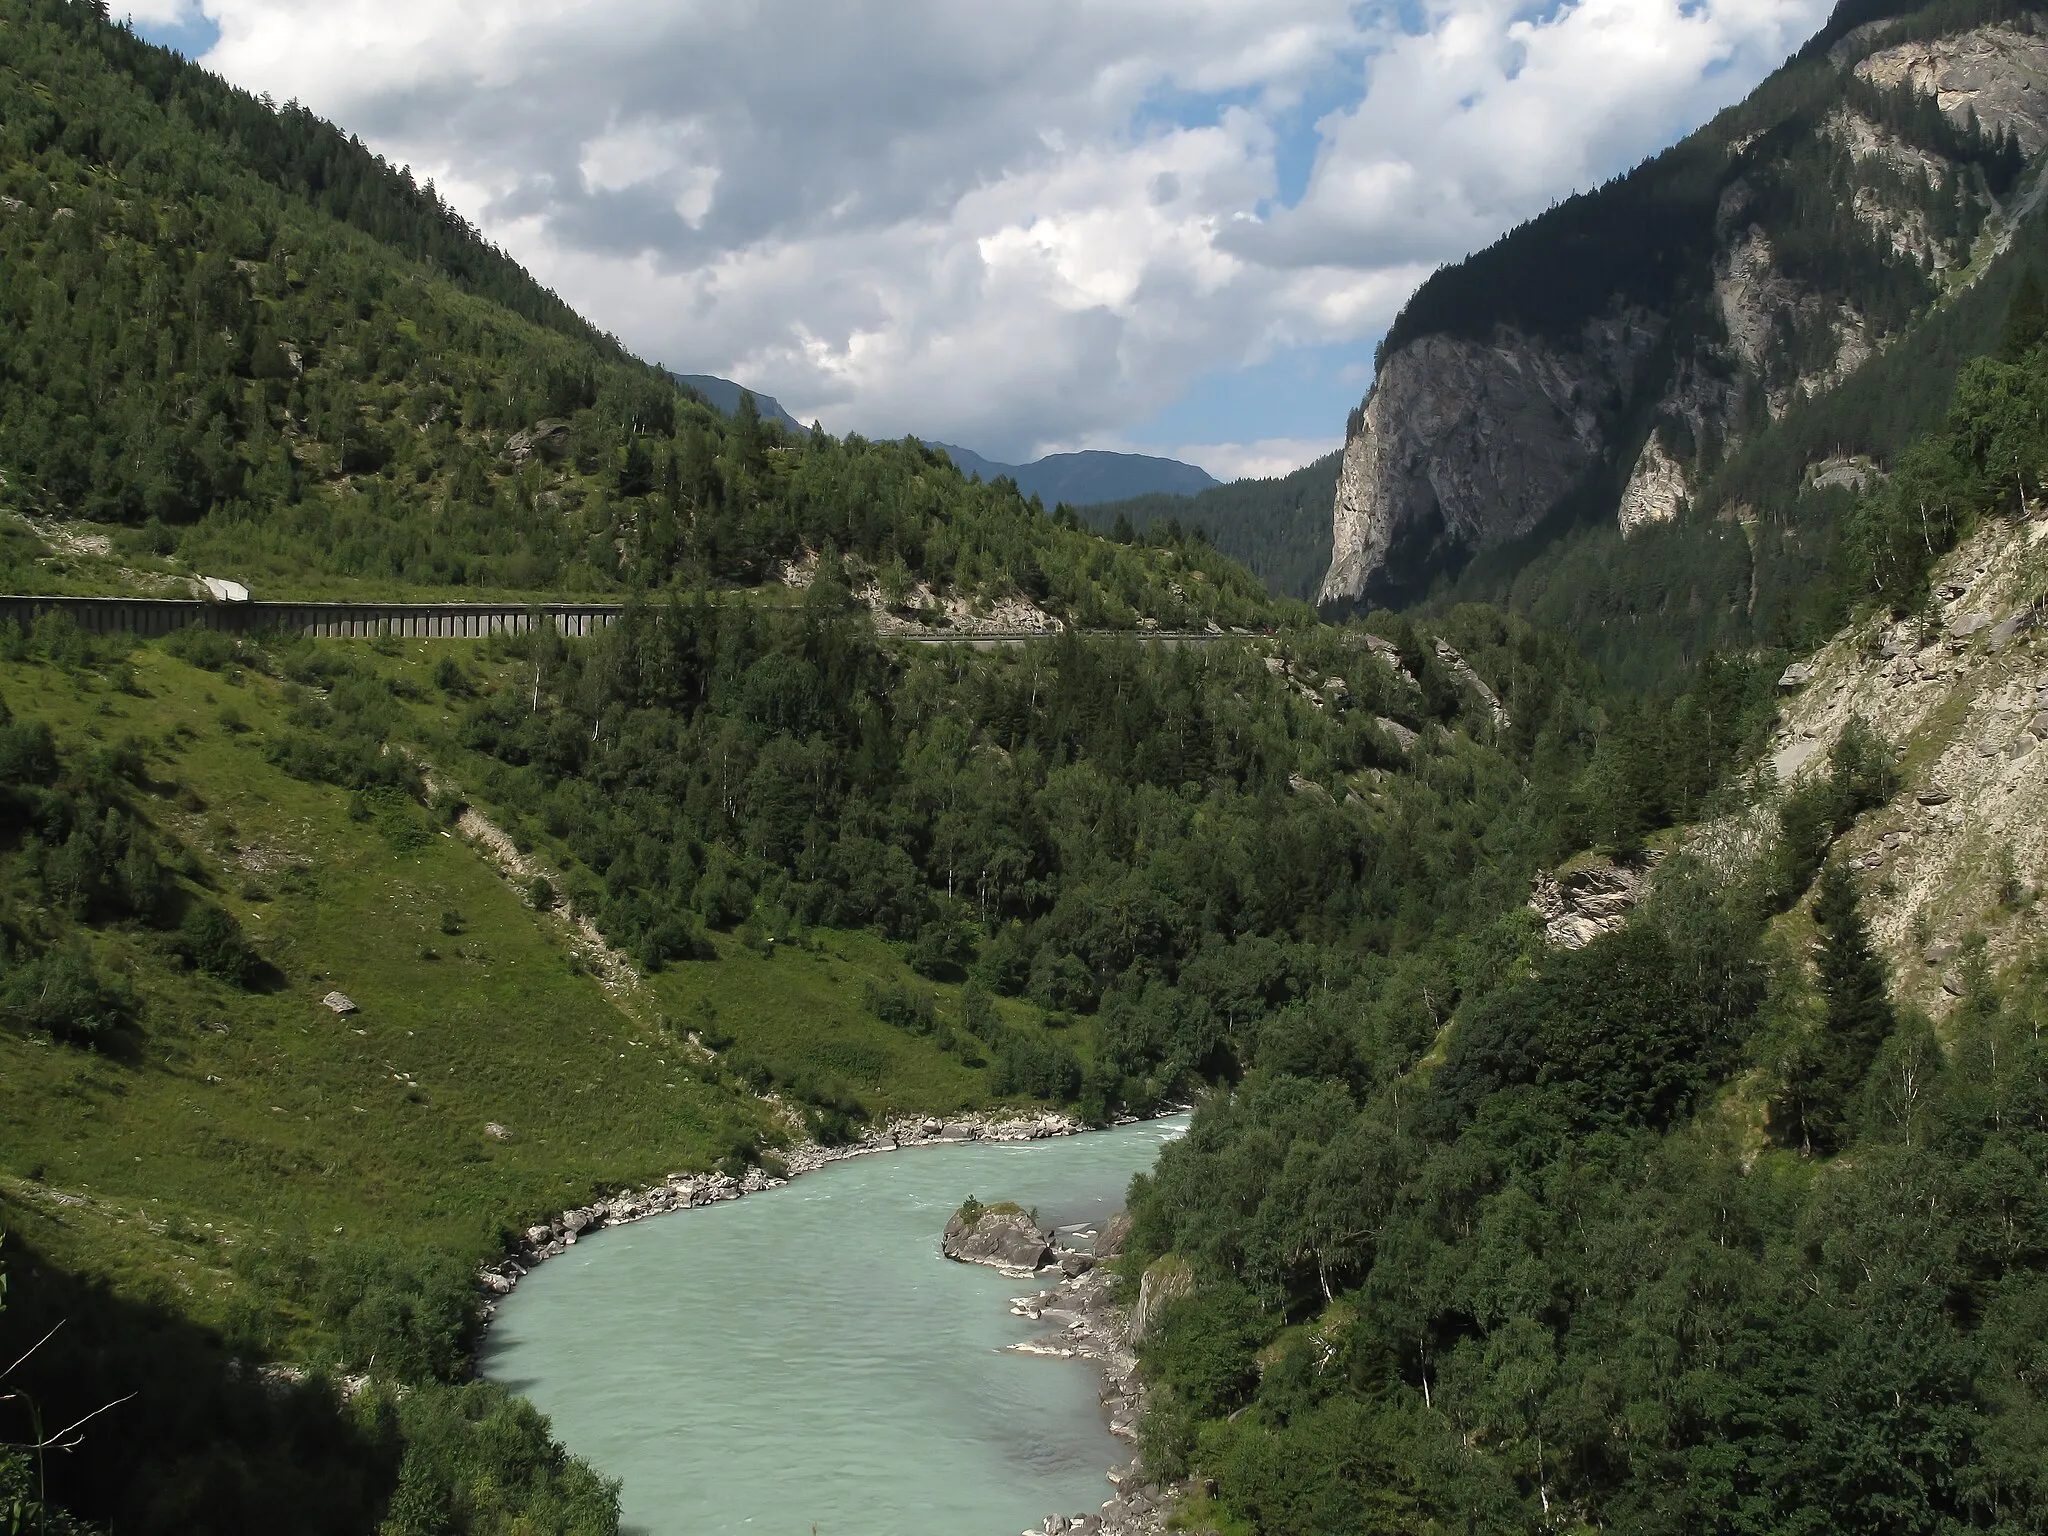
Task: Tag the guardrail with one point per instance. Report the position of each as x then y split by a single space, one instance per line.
151 616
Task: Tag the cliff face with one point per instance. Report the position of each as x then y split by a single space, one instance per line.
1464 444
1767 283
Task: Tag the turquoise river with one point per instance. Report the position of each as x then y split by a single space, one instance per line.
804 1358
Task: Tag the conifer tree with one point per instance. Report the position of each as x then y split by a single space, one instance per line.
1859 1014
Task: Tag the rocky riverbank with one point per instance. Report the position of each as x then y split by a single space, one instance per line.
682 1192
1087 1322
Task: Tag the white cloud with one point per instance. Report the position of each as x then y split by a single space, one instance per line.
1266 459
1019 227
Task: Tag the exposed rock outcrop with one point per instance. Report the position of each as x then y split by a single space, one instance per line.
1587 898
1655 491
2000 73
1166 1280
1955 858
1472 682
1465 444
1003 1236
549 439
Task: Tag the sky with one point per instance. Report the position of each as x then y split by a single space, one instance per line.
1162 226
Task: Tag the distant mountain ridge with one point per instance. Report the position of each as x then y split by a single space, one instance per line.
1092 476
1079 479
724 396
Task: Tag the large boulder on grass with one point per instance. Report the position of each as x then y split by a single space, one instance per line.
1002 1235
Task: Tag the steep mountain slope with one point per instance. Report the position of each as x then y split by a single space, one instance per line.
1605 362
1085 478
1954 864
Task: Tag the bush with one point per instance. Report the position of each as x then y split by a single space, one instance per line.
210 940
1039 1069
906 1007
411 1313
451 679
62 993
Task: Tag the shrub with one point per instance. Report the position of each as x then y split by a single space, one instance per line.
62 993
210 940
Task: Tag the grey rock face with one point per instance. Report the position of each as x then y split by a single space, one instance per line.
1580 905
1115 1233
1464 445
2000 73
1166 1280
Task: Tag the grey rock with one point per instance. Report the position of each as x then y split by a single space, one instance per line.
1952 984
1115 1233
1404 738
1167 1280
1941 954
1933 797
549 439
1007 1239
2003 631
1995 74
1307 788
1797 675
1579 907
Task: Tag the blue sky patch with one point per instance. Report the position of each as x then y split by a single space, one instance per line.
1302 392
193 34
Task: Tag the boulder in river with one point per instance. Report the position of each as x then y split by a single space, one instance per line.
1003 1235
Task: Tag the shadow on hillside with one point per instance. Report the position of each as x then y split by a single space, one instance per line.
192 1445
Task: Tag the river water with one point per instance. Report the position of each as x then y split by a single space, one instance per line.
804 1358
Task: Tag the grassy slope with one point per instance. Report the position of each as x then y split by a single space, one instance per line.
290 1123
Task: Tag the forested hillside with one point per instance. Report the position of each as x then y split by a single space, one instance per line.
1082 871
1279 527
1708 1224
252 350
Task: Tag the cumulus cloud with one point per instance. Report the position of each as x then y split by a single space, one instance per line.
1019 227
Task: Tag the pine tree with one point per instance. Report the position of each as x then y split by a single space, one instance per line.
1859 1014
